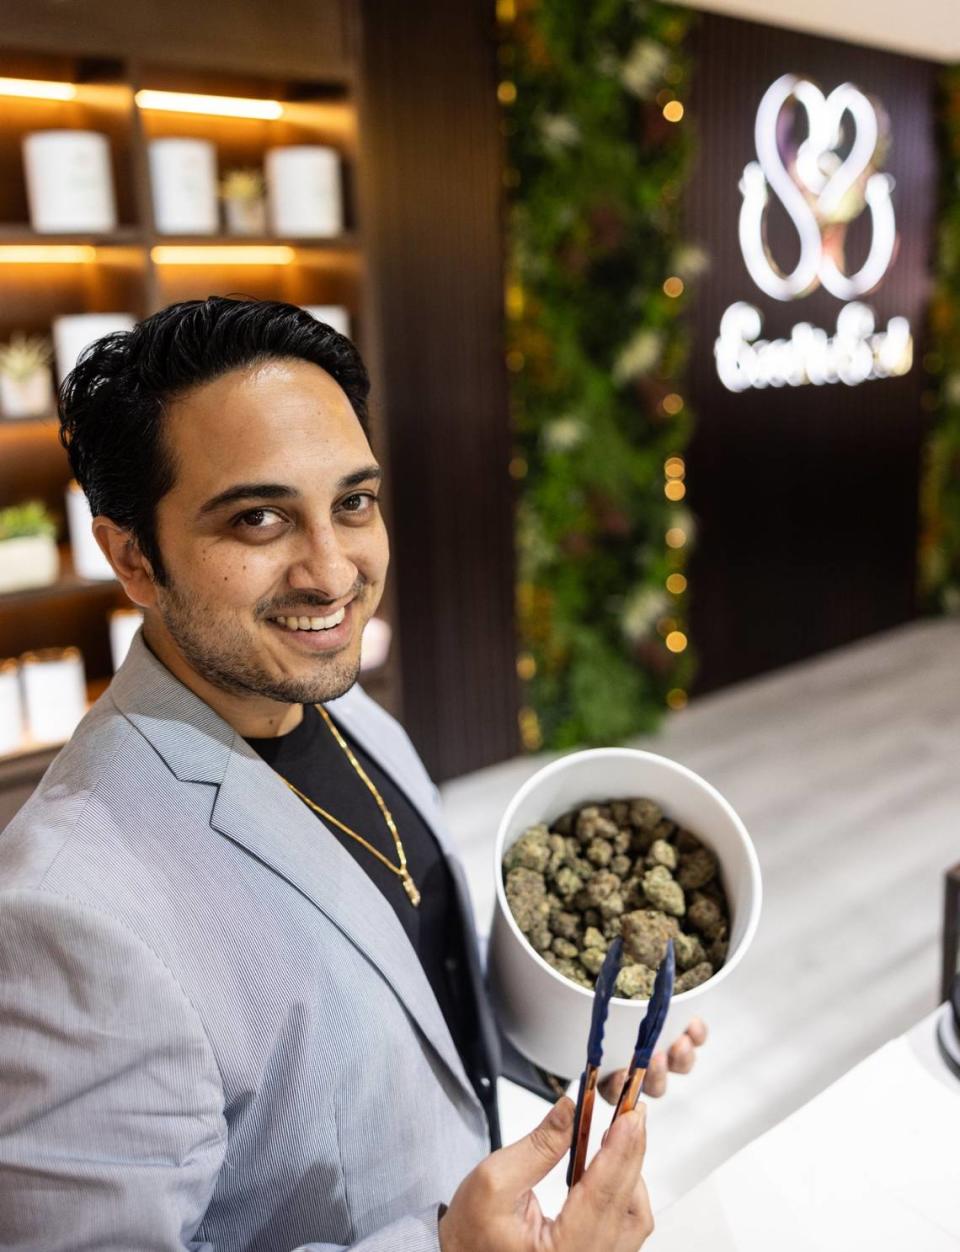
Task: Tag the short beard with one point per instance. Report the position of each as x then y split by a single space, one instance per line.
225 663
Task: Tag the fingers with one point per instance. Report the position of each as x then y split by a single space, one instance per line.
612 1085
655 1079
681 1056
609 1208
524 1163
697 1030
679 1059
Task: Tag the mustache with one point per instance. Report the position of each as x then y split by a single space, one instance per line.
307 600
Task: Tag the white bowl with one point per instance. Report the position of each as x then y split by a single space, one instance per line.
546 1016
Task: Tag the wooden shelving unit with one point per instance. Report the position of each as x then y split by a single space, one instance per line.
128 271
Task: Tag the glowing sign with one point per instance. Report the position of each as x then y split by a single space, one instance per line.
823 183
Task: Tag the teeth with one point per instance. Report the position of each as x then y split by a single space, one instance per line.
312 623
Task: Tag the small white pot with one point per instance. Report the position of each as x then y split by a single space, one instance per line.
29 562
69 183
183 179
304 191
88 559
26 397
75 331
546 1016
335 316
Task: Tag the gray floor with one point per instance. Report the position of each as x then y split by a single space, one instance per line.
846 771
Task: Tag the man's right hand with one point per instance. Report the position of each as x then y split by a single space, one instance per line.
494 1208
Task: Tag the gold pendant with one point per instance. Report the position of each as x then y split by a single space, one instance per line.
410 887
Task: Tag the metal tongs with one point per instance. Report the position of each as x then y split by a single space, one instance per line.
647 1037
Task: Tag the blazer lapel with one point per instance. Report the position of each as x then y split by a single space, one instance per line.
257 811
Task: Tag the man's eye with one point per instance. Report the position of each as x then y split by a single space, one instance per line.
361 502
257 519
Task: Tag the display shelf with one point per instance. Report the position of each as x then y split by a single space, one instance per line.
68 584
18 234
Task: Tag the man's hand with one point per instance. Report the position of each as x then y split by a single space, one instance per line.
680 1059
494 1208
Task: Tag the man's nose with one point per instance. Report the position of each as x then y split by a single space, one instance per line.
323 566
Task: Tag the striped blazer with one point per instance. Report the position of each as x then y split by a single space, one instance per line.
214 1032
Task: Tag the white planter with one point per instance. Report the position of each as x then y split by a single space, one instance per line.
69 183
29 562
304 191
544 1014
375 644
335 316
11 707
75 331
54 692
88 559
245 217
27 397
183 180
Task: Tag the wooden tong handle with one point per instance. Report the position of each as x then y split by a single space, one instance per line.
581 1125
630 1092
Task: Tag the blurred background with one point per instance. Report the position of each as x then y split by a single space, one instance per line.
662 307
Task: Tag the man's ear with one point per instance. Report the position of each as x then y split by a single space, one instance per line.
129 564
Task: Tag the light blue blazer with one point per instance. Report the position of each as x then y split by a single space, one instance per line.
214 1032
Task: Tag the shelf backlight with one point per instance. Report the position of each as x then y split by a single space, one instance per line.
46 254
215 106
37 89
252 254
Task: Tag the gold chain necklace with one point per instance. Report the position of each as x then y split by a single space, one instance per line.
409 886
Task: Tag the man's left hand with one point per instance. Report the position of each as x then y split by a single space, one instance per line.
680 1058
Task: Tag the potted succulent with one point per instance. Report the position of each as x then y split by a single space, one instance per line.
244 203
26 388
28 547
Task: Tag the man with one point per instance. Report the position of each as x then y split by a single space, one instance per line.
241 1005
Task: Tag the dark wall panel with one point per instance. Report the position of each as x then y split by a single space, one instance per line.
432 230
806 496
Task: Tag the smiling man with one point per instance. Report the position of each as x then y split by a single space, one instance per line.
241 1002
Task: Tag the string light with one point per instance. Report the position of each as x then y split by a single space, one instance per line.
514 301
672 404
673 111
676 584
674 490
676 537
506 11
676 641
674 467
677 698
526 667
530 733
518 468
507 92
673 287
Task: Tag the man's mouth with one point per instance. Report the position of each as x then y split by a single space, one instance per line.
311 623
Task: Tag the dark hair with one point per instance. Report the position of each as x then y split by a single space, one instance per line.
112 404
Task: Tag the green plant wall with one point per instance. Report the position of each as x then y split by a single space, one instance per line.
598 151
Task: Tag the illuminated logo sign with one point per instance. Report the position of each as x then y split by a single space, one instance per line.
823 183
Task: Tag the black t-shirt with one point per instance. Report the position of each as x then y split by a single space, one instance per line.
310 758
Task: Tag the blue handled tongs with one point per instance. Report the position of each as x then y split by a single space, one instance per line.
647 1037
649 1033
588 1079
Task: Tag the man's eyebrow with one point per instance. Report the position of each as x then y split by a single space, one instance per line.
249 491
280 491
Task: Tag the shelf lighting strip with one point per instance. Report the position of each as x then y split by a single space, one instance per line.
250 254
37 89
47 254
214 106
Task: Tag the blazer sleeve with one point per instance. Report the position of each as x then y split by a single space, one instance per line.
112 1128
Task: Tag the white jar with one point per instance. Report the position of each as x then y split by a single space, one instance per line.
304 191
28 561
88 559
75 331
183 180
69 183
54 692
27 397
11 707
124 624
335 316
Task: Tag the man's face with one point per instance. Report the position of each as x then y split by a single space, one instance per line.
274 546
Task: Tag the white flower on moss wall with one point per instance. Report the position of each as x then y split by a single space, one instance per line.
558 131
638 356
563 434
643 608
643 69
690 262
